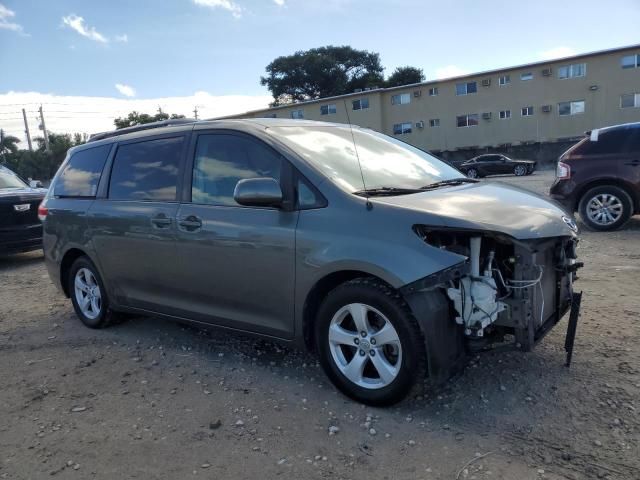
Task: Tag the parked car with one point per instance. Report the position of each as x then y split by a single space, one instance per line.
496 164
20 228
599 177
375 254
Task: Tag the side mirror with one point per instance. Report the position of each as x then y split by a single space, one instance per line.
258 192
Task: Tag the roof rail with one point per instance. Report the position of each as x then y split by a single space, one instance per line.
137 128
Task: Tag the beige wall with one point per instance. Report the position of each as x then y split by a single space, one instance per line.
602 106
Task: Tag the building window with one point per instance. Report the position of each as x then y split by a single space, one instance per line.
297 114
466 88
630 100
526 76
433 91
572 71
400 99
402 128
328 109
527 111
470 120
505 114
360 104
434 122
504 80
571 108
269 115
630 61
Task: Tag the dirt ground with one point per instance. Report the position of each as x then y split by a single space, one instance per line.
154 399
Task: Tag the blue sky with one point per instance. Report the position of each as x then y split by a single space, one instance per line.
175 48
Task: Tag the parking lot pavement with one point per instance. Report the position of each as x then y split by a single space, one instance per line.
153 399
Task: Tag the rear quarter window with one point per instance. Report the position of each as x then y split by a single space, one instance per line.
81 174
608 143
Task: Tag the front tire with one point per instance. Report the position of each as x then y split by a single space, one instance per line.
472 173
369 343
605 208
88 294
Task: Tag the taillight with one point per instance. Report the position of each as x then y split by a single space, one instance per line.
42 211
563 171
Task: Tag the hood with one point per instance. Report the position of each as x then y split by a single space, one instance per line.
490 206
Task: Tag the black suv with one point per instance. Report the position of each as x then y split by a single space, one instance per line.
599 177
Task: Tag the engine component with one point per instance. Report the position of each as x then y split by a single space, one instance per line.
475 297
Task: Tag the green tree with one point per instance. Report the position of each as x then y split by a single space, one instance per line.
8 146
405 76
135 118
321 72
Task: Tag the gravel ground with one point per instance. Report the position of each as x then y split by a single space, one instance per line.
154 399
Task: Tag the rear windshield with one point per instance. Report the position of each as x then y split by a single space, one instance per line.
620 140
81 174
385 161
8 180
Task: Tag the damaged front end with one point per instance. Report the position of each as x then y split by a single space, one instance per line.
508 291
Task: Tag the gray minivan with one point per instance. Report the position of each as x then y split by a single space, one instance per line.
386 261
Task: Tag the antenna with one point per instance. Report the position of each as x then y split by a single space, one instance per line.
355 147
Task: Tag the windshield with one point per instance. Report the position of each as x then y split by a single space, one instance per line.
10 181
386 162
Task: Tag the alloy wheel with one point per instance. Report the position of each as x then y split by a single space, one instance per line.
87 292
604 209
365 346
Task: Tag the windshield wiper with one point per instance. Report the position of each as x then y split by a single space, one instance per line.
451 181
380 191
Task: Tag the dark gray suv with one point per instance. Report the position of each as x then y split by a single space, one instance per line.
383 259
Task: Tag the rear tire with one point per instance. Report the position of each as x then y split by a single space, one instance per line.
520 170
605 208
88 295
363 316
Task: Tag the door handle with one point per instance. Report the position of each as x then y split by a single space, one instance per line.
190 223
633 163
161 220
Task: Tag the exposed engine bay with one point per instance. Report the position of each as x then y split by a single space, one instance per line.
507 286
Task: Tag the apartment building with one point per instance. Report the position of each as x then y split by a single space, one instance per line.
551 101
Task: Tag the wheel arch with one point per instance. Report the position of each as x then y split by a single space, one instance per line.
601 182
318 293
69 257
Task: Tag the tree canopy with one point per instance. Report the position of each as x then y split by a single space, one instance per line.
330 71
322 72
405 76
8 146
135 118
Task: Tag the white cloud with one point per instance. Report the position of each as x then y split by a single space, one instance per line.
124 38
6 16
556 52
77 23
280 3
126 90
449 71
229 5
64 114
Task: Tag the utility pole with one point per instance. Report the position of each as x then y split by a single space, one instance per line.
26 130
159 109
44 130
195 112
